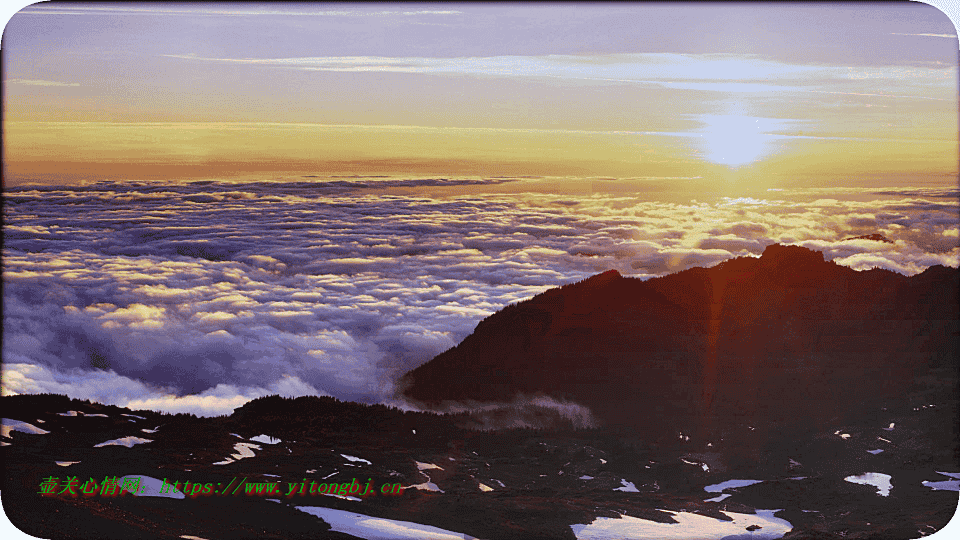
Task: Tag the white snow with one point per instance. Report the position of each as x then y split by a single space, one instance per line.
945 485
128 441
717 488
627 486
16 425
374 528
891 427
191 537
602 460
154 430
244 450
689 527
484 487
585 477
266 439
97 414
337 495
354 458
68 413
499 482
426 486
718 499
66 463
844 436
875 452
423 466
151 487
879 480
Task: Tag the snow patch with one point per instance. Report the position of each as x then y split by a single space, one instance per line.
16 425
128 441
878 480
374 528
717 488
627 486
688 527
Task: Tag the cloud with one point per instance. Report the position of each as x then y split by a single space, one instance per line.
949 36
726 73
61 9
39 82
304 287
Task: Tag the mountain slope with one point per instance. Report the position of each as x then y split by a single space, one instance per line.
787 336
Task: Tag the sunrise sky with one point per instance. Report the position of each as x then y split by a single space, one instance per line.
706 92
208 203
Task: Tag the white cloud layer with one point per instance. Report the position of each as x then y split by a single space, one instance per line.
199 297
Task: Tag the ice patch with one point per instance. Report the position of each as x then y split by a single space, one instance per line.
688 527
875 452
718 499
16 425
717 488
68 413
585 477
426 486
266 439
337 495
878 480
627 486
484 487
97 414
424 466
244 450
151 487
945 485
354 458
66 463
128 441
374 528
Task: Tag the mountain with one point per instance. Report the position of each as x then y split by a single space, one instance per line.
784 339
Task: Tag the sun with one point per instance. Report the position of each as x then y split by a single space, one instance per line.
736 140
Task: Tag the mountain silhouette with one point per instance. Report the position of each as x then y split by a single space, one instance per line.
787 337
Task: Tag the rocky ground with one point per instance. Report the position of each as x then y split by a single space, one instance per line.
520 483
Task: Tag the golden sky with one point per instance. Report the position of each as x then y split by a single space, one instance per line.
731 93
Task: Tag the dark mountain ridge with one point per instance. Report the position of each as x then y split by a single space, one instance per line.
786 337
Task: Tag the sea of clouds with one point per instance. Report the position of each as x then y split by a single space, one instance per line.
197 297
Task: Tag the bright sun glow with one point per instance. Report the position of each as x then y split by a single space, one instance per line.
736 140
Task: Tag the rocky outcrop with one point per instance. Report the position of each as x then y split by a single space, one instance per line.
784 337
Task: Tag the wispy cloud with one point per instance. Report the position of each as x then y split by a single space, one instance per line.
61 9
39 82
951 36
729 73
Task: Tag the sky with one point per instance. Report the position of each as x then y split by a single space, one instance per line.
208 203
664 90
